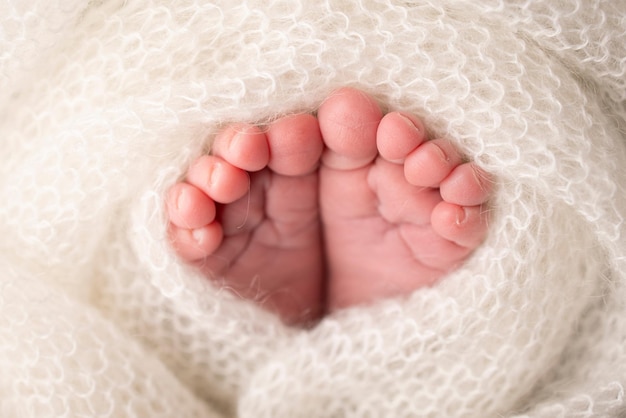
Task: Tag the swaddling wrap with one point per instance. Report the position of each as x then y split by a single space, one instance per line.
104 105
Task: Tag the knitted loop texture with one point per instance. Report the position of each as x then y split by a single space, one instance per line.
104 105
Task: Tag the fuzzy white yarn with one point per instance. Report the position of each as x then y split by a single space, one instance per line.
103 105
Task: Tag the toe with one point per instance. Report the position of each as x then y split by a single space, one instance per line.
189 207
467 185
463 225
398 134
242 146
349 121
295 144
195 244
221 181
431 162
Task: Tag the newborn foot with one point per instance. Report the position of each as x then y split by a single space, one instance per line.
248 215
399 212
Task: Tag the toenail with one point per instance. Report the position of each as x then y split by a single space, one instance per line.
440 152
235 139
461 216
409 122
212 173
198 235
183 199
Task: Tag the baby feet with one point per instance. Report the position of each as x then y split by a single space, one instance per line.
312 215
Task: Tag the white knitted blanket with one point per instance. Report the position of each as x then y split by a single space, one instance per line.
103 105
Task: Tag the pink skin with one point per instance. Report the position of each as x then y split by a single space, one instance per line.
312 215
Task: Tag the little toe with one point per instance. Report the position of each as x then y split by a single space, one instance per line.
398 134
295 144
348 121
243 146
431 163
196 244
467 185
188 207
221 181
463 225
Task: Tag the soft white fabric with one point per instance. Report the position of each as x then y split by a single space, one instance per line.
104 103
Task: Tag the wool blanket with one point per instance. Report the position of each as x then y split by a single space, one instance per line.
104 104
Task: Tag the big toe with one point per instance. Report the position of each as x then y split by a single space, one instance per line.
349 121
